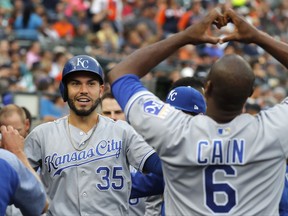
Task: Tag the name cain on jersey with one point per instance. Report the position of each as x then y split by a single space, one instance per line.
219 151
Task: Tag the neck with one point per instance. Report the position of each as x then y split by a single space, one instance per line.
84 123
222 116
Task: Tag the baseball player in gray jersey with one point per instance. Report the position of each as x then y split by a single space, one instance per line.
84 157
109 107
222 163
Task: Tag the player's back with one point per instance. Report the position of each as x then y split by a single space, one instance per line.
233 170
232 165
209 168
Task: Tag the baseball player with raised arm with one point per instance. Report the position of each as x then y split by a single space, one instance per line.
84 157
19 183
222 163
190 101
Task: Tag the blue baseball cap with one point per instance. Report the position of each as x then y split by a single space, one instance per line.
187 99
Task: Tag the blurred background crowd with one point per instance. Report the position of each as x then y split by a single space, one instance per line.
38 36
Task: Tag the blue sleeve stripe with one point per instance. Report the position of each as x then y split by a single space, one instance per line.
125 87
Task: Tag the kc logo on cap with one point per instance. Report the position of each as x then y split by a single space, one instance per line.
187 99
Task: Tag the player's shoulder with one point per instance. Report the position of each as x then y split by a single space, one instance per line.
108 122
10 158
52 124
6 155
9 172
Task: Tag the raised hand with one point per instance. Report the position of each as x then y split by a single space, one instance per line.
11 139
244 31
199 33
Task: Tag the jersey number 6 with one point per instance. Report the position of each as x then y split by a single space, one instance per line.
214 189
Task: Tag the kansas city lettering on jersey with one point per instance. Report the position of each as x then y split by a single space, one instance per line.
218 152
104 149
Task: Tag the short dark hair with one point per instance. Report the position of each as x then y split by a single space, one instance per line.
188 81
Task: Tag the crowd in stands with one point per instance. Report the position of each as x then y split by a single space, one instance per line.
38 36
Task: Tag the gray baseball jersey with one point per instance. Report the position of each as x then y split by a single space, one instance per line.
95 180
235 168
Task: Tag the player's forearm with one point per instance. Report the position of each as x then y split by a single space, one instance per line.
278 49
143 60
146 185
22 157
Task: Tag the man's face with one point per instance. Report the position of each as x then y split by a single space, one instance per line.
111 109
84 91
17 123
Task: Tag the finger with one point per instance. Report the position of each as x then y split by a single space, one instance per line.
212 16
10 128
216 15
212 40
231 16
16 132
222 21
217 24
227 38
3 129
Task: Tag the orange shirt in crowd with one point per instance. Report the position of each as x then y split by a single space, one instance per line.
64 28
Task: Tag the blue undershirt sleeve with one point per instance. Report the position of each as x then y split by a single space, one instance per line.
125 87
146 185
153 165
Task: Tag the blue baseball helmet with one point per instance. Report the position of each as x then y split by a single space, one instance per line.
83 63
187 99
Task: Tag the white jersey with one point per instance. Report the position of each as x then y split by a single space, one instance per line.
235 168
92 181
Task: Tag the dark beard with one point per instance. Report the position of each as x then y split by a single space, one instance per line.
82 112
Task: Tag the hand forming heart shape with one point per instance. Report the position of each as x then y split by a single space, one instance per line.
244 32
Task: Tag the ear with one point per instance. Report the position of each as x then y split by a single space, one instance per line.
208 88
27 125
101 90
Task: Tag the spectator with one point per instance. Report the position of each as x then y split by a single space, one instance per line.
15 116
33 54
106 10
29 24
168 16
64 28
191 16
52 105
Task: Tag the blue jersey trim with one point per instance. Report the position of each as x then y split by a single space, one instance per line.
125 87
